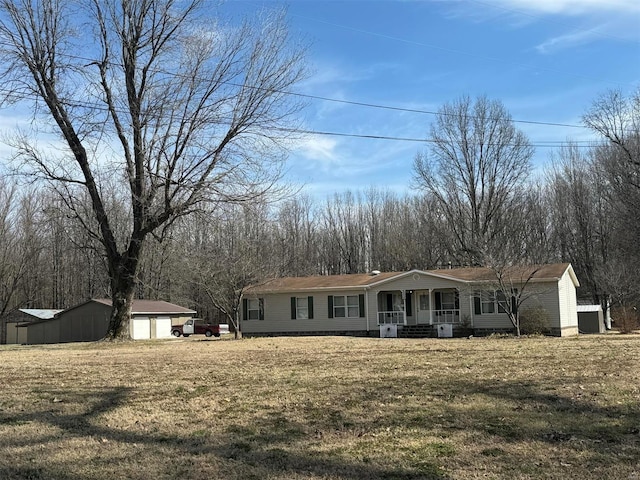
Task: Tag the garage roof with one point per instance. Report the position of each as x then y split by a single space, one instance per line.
142 307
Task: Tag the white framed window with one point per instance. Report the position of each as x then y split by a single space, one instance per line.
302 308
346 306
487 302
339 307
253 309
353 306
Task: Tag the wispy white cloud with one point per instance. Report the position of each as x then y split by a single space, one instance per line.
569 40
318 149
570 7
615 19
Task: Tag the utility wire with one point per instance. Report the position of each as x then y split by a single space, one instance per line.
334 100
539 144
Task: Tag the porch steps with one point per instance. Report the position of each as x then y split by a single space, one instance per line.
417 331
430 331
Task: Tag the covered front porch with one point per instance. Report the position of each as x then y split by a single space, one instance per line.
419 307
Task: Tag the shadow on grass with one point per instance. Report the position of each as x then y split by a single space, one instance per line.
551 417
270 449
274 446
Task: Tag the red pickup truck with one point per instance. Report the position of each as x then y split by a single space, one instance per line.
196 326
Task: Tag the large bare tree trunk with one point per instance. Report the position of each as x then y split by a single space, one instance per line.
177 108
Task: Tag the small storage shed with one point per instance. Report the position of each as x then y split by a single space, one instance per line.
590 319
89 321
25 316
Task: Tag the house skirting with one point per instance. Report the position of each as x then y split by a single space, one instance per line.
318 333
410 331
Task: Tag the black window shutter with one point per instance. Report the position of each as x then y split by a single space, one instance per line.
409 304
293 308
514 305
361 304
310 306
330 301
457 297
438 297
476 305
245 309
261 307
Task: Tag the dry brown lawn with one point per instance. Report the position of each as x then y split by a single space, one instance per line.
323 408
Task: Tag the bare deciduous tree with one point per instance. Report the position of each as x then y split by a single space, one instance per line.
156 94
19 250
474 168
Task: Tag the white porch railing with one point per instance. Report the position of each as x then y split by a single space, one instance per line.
392 317
445 316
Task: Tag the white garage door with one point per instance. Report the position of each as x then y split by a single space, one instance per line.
163 327
141 328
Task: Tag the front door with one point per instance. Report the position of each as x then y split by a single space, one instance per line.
423 306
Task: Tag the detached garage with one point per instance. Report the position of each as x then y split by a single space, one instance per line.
89 321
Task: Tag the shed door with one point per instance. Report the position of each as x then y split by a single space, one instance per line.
163 327
141 328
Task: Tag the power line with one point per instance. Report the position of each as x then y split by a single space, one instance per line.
539 144
415 110
341 101
542 143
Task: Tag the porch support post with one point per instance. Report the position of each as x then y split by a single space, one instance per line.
404 306
366 307
430 308
471 309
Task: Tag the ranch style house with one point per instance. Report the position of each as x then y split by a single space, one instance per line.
415 303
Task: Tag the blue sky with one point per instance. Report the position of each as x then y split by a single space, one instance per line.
546 60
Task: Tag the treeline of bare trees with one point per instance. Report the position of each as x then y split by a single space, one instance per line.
47 260
482 210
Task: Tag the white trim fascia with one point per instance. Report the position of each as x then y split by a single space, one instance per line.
163 313
306 289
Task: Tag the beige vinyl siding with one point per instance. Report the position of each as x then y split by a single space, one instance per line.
568 306
541 294
497 321
420 282
548 299
277 315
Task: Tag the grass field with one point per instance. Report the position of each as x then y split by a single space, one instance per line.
316 407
